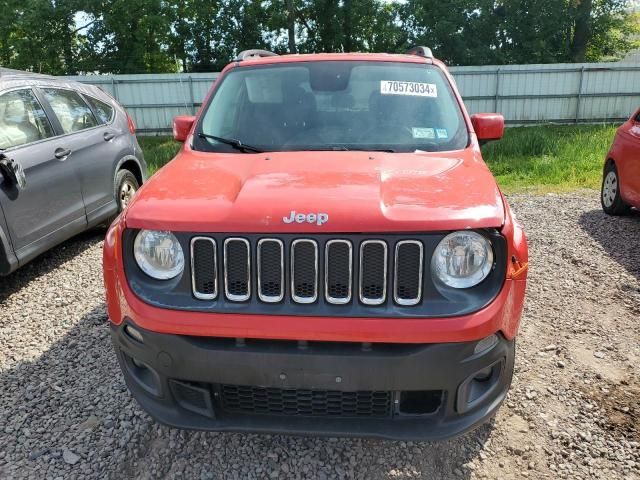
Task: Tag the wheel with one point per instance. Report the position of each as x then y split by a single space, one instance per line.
126 186
612 203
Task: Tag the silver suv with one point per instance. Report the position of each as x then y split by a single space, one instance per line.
69 160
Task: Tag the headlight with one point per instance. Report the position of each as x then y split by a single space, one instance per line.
158 254
462 259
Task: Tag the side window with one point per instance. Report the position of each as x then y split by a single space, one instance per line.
638 117
72 112
22 119
103 110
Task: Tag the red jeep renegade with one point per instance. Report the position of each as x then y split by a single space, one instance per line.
327 254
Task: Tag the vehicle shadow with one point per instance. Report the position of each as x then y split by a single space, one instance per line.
48 262
73 397
618 236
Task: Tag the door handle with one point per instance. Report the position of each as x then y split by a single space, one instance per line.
62 153
108 136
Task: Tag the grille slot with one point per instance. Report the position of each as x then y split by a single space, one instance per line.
237 269
373 272
302 402
304 271
407 281
338 271
270 270
204 268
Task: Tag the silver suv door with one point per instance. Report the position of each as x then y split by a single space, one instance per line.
95 145
50 208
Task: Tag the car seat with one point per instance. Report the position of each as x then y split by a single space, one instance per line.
15 127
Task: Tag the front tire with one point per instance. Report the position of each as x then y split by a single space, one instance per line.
610 198
126 185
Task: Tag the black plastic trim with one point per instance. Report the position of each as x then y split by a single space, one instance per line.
334 366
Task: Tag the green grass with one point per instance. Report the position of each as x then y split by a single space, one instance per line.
546 158
158 151
550 158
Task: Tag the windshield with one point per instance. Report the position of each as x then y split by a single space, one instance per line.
333 105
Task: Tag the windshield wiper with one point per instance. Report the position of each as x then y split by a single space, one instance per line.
343 148
237 144
364 149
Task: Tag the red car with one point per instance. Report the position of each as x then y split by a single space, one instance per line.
621 178
327 254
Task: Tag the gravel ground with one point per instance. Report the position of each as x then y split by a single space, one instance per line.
573 411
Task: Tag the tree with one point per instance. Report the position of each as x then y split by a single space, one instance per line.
123 36
582 29
291 26
465 32
39 35
129 37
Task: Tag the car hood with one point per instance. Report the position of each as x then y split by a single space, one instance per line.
358 191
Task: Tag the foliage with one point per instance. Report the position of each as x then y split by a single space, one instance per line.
523 31
153 36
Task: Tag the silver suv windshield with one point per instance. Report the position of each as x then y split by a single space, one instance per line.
333 105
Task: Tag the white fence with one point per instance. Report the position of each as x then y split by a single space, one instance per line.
524 94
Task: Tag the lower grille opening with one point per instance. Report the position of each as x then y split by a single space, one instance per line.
420 402
304 402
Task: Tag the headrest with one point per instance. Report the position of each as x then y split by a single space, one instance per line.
12 110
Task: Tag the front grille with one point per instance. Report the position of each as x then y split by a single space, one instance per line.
305 271
302 402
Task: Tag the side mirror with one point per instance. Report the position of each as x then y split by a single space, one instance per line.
182 126
13 172
488 126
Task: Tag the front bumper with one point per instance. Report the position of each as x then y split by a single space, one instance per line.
394 391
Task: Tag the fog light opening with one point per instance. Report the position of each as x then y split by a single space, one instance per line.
133 333
486 344
138 363
145 376
484 375
479 386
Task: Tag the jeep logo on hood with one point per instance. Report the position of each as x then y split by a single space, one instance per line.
317 218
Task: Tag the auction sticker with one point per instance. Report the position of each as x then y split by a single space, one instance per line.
428 133
394 87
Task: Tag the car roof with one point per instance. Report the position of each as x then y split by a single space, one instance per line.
10 79
318 57
9 73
